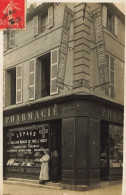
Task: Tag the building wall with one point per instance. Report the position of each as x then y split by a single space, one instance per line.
114 46
28 46
81 64
82 70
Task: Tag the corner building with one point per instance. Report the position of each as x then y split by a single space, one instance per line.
72 103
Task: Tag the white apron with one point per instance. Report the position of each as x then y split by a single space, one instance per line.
44 173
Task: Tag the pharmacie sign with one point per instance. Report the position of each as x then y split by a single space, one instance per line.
32 116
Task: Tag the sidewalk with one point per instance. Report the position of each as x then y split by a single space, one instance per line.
59 186
15 188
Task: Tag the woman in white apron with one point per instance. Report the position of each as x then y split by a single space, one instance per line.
44 173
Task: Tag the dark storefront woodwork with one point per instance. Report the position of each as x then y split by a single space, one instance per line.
86 132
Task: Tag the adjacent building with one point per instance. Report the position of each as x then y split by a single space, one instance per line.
63 90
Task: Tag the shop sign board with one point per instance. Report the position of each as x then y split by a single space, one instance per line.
64 47
32 115
27 139
111 114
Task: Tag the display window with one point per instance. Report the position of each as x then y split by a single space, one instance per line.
116 146
111 150
25 146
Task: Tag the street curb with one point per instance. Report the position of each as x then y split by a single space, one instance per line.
31 184
63 186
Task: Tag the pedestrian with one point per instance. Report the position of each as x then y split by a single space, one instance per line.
44 173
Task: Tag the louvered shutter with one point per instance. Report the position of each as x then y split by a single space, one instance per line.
3 88
35 25
5 41
19 83
108 85
116 26
11 38
104 16
50 17
54 69
32 68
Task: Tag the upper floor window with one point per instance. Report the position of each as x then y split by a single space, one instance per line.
43 75
110 20
9 39
43 21
109 91
12 86
38 78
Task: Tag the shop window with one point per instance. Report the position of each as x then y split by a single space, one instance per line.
43 21
109 91
9 39
110 21
25 146
116 146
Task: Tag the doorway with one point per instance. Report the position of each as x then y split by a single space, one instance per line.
104 151
55 151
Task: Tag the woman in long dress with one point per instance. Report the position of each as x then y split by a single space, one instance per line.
44 173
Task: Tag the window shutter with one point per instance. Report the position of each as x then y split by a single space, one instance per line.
104 16
3 88
35 25
32 64
5 41
116 26
50 17
54 69
19 84
11 38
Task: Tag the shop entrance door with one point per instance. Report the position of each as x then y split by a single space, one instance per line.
104 151
55 151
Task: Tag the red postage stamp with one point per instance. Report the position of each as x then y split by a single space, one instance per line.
12 14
